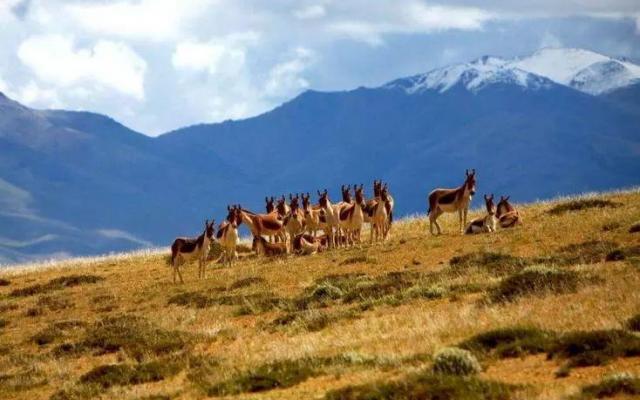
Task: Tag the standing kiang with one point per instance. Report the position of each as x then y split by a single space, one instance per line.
452 200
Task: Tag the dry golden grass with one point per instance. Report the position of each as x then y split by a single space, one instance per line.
334 338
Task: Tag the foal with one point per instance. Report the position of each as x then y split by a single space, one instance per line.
261 246
186 249
452 200
486 223
508 216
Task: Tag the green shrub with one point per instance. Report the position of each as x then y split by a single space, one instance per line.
612 385
510 342
537 279
589 252
191 299
455 361
634 323
278 374
107 376
587 348
426 292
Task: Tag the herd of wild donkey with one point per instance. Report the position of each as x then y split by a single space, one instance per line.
291 229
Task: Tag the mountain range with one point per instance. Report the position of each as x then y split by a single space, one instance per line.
558 121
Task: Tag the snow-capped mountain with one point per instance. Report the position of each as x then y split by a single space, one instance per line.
580 69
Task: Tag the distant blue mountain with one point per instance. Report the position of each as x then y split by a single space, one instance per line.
81 183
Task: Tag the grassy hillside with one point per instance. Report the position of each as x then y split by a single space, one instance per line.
546 309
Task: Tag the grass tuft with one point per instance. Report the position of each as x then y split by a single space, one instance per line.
580 205
56 284
538 280
4 282
496 263
134 335
312 320
635 228
426 386
54 303
191 299
285 373
455 361
246 282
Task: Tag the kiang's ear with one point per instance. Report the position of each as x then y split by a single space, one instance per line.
466 172
326 191
491 196
507 198
486 198
473 171
228 207
319 194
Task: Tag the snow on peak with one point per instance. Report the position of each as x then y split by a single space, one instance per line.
474 76
580 69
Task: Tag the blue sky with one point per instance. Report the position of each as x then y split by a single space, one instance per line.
157 65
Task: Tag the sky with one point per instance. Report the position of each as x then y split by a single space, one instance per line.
158 65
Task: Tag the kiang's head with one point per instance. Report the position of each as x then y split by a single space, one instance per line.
488 201
470 181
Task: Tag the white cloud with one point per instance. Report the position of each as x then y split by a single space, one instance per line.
369 22
155 20
550 40
6 9
3 85
37 96
285 79
310 12
219 55
55 59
